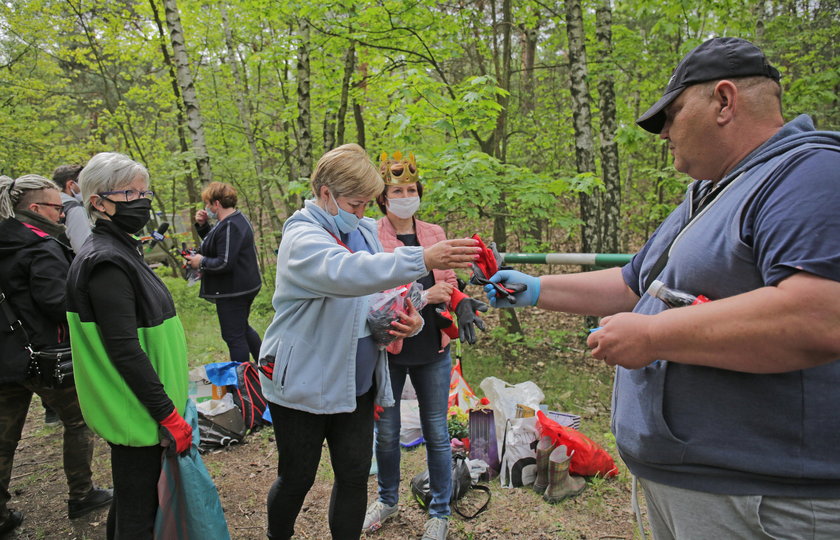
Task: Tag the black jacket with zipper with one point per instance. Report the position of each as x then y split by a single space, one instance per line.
33 274
230 265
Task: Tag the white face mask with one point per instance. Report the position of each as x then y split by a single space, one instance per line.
404 207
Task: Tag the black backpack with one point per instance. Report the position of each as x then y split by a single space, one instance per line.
248 395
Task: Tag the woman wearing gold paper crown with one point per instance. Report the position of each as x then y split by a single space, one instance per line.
424 357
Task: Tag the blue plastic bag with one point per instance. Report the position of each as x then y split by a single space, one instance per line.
222 373
189 506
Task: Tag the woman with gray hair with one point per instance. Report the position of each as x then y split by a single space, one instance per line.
129 346
322 372
33 273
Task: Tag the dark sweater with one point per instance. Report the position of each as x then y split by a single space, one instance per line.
230 265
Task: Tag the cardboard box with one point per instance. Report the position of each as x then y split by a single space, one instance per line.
201 389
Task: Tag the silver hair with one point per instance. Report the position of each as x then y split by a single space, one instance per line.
14 194
108 171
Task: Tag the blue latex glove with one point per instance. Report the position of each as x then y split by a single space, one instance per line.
528 297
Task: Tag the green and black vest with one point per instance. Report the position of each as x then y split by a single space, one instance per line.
108 404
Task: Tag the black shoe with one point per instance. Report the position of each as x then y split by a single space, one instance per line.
96 498
50 416
12 522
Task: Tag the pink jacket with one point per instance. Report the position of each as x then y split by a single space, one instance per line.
428 234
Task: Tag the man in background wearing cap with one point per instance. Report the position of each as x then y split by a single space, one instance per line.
727 411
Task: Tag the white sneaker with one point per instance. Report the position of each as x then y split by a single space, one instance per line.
436 529
376 515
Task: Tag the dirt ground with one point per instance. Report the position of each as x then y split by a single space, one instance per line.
244 473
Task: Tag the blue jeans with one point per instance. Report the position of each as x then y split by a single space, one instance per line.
431 381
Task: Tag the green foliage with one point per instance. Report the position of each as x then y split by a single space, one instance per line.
82 77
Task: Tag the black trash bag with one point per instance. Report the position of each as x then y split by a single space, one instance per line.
220 430
461 485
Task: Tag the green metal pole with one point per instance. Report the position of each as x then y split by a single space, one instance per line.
583 259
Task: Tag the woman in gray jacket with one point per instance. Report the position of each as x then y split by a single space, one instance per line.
326 371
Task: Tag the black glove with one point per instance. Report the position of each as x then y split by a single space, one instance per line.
468 319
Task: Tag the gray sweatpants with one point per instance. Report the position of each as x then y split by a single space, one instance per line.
682 514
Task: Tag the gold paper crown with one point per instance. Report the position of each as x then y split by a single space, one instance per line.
398 170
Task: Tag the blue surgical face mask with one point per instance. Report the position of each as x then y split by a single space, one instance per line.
211 214
346 222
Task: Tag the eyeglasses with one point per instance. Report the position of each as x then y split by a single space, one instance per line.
58 207
129 194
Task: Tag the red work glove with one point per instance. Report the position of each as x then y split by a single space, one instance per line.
266 366
445 323
175 434
377 411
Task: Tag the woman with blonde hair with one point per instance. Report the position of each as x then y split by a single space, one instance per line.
326 370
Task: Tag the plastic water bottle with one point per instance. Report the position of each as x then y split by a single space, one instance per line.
673 297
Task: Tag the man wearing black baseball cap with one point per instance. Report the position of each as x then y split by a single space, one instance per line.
727 411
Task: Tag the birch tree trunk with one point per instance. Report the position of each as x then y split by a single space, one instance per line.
611 224
304 122
192 192
582 120
188 94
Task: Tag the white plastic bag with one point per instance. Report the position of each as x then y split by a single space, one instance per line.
213 407
385 307
411 431
519 454
504 397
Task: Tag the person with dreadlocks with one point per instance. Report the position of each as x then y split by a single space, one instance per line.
33 275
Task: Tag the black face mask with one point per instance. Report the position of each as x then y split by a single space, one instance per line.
131 216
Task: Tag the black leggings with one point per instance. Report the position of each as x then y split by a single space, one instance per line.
135 471
299 436
242 340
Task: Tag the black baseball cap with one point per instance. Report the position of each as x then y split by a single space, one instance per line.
717 58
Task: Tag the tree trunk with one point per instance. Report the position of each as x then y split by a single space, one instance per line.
611 233
499 147
304 97
582 119
192 193
530 37
329 129
360 124
188 94
349 67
